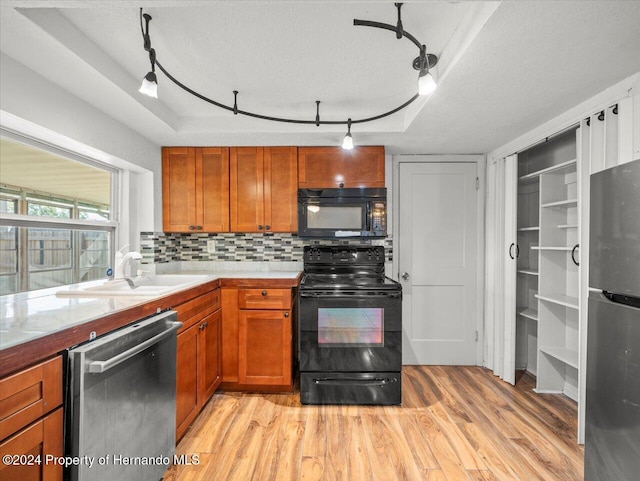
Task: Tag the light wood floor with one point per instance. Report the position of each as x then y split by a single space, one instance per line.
456 423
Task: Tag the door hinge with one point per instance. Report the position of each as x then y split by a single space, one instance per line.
476 336
477 183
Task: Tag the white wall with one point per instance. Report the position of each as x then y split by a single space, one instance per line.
33 106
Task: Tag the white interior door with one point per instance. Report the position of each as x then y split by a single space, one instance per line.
437 262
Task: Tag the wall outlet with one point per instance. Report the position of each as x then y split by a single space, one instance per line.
211 246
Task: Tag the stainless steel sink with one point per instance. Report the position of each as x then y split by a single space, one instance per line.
142 286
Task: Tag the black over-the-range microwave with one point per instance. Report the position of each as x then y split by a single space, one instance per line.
342 213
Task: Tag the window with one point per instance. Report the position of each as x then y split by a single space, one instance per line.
56 224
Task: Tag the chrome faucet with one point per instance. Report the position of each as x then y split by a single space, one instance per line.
122 260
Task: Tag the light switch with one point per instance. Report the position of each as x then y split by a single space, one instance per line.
211 246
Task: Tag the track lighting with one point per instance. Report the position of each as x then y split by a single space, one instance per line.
423 63
347 143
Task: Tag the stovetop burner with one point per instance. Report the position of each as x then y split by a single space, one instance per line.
315 281
345 267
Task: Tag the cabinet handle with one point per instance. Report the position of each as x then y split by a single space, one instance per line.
573 251
286 314
206 324
198 227
260 227
201 327
191 227
267 227
264 293
511 250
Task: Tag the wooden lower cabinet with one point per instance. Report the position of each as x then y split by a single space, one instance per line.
31 422
257 339
264 345
198 362
209 367
31 448
186 379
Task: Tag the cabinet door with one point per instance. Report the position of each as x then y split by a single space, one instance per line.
212 189
44 437
334 167
186 379
209 376
264 347
178 189
281 189
247 192
29 394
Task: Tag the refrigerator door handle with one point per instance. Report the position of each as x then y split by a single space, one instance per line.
622 299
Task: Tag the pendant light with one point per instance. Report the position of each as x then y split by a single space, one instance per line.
150 81
149 85
347 143
426 83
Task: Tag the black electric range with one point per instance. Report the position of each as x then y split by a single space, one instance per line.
350 327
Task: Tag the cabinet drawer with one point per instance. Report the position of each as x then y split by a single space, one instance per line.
264 298
194 310
29 394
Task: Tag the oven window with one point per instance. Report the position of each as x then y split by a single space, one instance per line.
350 326
321 217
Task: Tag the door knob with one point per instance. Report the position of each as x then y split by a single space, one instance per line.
405 276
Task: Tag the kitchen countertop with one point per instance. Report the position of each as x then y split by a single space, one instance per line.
29 316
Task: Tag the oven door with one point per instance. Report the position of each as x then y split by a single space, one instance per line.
350 331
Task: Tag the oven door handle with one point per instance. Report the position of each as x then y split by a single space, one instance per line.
350 294
334 381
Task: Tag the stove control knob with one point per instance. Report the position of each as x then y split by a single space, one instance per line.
405 276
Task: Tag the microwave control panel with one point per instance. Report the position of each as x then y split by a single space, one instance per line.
378 217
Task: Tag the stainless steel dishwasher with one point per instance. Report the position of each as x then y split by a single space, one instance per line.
121 403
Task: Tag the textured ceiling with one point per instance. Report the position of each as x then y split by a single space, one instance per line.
504 68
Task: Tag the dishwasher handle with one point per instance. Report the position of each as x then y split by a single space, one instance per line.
96 367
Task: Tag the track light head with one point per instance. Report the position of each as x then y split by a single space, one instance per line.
149 85
347 142
426 83
423 63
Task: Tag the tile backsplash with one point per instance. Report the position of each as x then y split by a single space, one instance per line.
160 247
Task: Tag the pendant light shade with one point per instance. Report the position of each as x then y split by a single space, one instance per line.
347 143
149 85
426 83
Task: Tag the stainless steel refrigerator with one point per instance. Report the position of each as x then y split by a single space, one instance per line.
612 443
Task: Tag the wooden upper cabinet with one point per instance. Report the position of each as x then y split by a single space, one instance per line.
212 173
247 189
195 189
323 167
281 189
264 189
